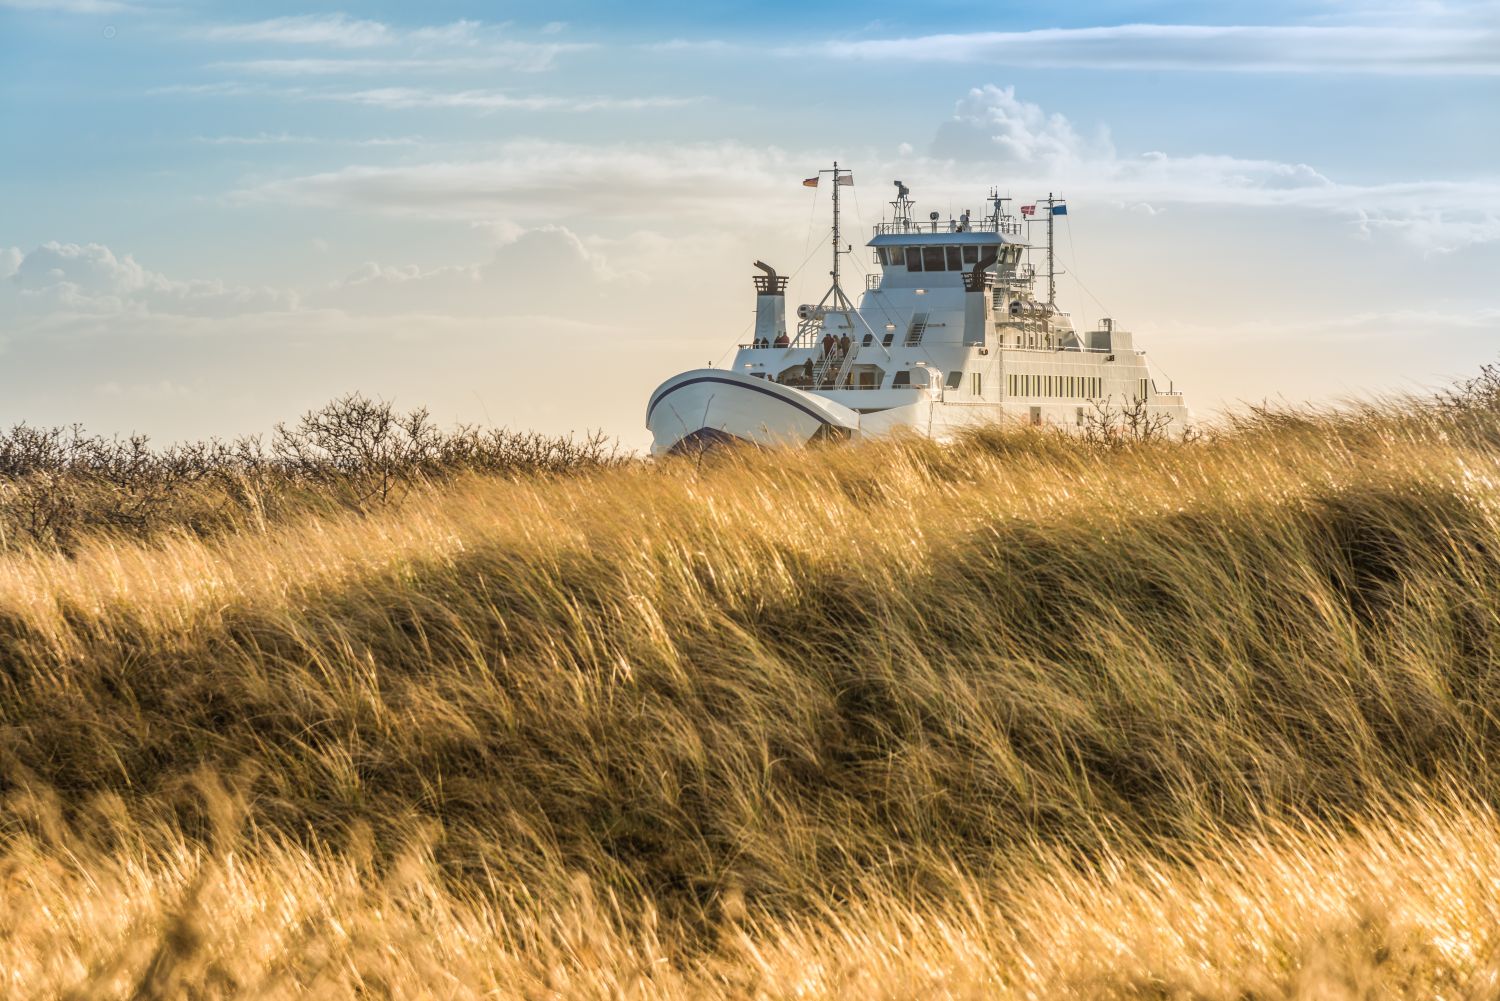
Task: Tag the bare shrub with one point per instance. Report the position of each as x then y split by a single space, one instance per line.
1129 423
1481 392
56 483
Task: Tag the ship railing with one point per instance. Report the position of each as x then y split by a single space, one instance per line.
1006 227
800 382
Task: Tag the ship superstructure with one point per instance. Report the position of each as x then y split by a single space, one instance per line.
950 332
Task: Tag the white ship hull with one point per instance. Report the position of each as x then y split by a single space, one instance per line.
706 407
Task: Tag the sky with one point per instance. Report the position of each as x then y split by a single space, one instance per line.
217 216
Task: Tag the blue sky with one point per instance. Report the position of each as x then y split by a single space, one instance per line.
218 215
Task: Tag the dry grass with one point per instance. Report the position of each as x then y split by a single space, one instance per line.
1010 718
1399 908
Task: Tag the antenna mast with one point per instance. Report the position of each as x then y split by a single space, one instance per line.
836 291
835 224
1051 256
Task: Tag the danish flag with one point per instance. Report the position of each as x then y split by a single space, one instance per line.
1028 210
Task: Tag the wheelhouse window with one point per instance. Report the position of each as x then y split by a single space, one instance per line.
971 254
914 258
932 259
955 258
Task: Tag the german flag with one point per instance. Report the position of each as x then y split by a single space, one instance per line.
811 182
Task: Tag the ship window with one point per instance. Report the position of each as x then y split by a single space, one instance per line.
902 378
955 259
955 379
971 254
1080 417
914 258
932 259
886 340
978 379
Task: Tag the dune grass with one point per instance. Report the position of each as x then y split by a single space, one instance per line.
1012 717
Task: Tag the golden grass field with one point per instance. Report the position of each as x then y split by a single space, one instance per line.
1018 717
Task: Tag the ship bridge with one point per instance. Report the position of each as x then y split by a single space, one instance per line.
915 252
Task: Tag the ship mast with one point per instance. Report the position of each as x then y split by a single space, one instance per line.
835 297
1051 255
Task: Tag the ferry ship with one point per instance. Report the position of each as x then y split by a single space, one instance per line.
949 333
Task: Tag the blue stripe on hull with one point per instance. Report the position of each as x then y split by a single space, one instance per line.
738 384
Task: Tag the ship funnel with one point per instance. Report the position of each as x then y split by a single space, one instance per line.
974 288
770 307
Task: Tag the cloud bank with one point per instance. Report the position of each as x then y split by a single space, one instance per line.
1407 49
90 278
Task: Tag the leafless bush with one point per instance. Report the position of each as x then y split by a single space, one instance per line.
56 483
1129 423
1480 393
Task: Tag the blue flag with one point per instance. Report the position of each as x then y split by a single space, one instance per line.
1059 210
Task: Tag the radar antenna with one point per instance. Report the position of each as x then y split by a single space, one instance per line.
901 208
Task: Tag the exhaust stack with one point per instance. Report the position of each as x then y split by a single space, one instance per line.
770 307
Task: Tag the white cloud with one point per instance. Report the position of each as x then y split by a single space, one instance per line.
710 46
70 6
228 88
523 57
534 180
259 139
991 122
408 98
993 137
548 270
1412 48
494 100
462 46
337 30
286 138
91 278
1040 151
